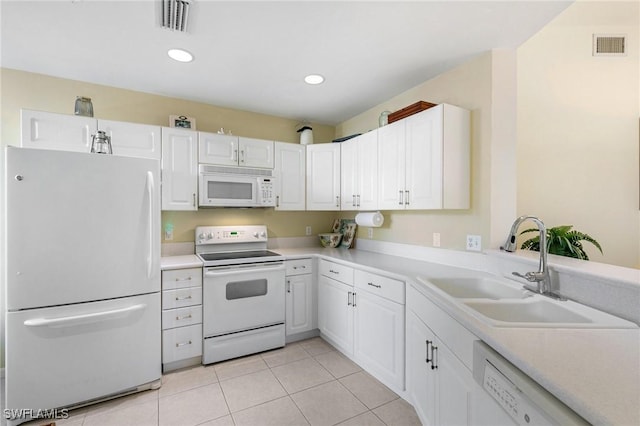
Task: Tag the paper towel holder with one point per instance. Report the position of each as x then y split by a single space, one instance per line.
370 219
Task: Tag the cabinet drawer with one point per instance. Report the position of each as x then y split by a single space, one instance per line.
298 267
181 297
382 286
181 317
336 271
449 331
181 343
181 278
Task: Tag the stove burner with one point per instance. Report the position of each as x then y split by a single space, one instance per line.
210 257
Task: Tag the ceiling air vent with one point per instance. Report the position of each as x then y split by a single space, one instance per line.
609 45
175 14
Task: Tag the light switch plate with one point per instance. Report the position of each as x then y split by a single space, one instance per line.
474 242
436 239
307 230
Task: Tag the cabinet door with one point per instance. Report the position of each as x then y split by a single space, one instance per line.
132 139
299 304
421 380
214 148
455 388
379 338
424 158
349 174
62 132
335 313
391 166
290 173
255 153
367 171
179 169
323 176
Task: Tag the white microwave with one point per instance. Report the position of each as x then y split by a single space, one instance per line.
235 187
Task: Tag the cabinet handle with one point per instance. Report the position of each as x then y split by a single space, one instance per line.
183 344
334 272
358 203
353 200
235 155
183 297
337 201
184 279
434 357
184 317
288 286
426 353
354 300
401 196
406 201
349 298
277 201
242 155
374 285
300 267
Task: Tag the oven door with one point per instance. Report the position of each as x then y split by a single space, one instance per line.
220 190
242 297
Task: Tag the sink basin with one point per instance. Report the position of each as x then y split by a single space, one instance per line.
479 288
542 312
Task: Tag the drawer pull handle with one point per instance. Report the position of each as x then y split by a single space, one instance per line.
434 357
374 285
183 297
185 279
334 272
427 359
183 344
184 317
300 267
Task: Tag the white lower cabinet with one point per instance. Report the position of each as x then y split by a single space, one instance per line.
439 358
364 320
181 318
300 306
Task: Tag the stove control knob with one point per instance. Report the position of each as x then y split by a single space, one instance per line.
255 235
263 234
201 236
209 236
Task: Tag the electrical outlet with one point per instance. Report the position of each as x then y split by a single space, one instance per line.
307 230
474 242
436 239
168 232
370 232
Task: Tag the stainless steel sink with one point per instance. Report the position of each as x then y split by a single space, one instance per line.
479 288
542 312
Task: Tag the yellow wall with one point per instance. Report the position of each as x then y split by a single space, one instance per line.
578 119
470 86
45 93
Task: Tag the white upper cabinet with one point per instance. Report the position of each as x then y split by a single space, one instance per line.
359 172
425 160
323 176
290 173
256 153
214 148
132 139
64 132
228 150
179 169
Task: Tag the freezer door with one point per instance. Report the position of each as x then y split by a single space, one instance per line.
66 355
80 227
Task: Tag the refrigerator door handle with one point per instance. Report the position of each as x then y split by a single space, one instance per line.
151 258
84 318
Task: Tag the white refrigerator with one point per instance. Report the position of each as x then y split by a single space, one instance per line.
82 278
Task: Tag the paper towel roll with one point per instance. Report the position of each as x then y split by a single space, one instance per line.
370 219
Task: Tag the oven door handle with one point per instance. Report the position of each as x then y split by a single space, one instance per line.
216 272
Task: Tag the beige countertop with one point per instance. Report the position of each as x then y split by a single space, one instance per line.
596 372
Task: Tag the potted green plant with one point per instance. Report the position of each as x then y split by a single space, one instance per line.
561 240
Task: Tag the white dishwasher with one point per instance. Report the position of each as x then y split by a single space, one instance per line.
524 400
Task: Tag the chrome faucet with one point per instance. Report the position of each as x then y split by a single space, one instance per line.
542 277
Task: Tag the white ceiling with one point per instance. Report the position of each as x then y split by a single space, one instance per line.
253 56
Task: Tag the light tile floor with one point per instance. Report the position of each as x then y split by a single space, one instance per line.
304 383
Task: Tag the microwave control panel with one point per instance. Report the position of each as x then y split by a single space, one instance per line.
266 192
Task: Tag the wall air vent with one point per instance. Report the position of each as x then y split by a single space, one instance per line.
609 45
175 14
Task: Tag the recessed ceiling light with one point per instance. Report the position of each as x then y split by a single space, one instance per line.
314 79
180 55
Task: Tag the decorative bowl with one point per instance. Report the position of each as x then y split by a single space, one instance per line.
330 240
